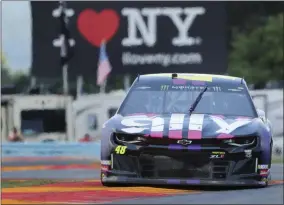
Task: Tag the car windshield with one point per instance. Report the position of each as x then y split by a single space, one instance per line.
163 99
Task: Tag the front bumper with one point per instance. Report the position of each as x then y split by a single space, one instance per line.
184 166
184 182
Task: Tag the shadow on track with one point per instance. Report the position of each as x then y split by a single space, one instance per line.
196 187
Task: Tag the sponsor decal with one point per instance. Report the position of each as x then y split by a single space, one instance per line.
105 168
181 87
165 87
248 153
136 124
195 126
142 123
218 152
226 128
106 162
217 155
264 172
120 150
262 166
155 125
176 124
191 87
157 128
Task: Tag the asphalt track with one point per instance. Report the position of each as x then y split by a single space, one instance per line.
273 194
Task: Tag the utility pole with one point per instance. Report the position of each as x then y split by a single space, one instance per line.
64 41
126 82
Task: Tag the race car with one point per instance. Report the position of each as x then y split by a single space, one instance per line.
187 129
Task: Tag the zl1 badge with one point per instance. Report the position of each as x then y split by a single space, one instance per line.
120 149
217 155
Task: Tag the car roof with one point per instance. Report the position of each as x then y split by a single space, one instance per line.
211 78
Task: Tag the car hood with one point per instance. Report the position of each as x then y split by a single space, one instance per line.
177 126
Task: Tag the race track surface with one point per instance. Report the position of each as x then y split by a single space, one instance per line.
89 190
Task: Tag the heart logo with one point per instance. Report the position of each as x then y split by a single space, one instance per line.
96 27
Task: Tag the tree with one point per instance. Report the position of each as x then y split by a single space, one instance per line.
5 72
21 80
18 79
258 54
3 60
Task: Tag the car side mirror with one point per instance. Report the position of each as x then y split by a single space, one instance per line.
261 114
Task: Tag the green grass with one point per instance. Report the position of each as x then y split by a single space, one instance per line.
277 160
25 183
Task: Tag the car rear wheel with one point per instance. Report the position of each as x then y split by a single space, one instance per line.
271 149
269 175
267 181
105 184
108 184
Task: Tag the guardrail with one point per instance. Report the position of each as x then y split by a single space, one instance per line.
52 149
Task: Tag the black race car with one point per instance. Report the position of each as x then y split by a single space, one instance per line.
187 129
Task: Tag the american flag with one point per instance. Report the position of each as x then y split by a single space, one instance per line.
104 67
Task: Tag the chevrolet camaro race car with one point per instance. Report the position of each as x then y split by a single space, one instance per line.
187 129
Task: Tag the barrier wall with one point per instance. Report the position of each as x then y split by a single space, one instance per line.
274 108
60 149
52 149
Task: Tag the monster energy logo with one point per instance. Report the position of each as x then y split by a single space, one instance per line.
164 87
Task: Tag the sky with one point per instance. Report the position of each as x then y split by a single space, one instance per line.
16 34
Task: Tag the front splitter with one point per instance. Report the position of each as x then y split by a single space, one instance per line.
197 182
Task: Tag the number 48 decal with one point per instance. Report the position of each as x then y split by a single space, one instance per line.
120 149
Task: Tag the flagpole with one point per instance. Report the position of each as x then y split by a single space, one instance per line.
103 84
126 82
79 86
65 79
103 87
63 48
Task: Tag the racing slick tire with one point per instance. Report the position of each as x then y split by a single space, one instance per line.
270 163
108 184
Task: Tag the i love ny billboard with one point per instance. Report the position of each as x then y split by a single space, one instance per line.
141 37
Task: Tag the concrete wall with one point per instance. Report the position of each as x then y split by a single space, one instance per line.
274 108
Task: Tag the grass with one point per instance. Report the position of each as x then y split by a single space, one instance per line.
26 183
277 160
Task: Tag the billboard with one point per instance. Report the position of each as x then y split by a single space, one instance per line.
142 37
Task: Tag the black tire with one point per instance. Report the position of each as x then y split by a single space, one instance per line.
107 184
267 182
269 165
271 150
263 186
